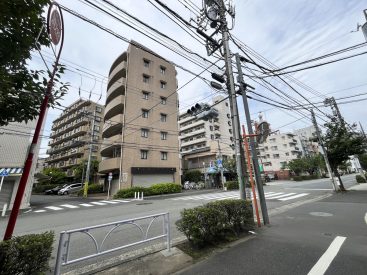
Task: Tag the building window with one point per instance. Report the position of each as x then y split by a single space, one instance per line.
98 119
94 148
163 70
212 137
146 78
163 135
97 128
226 104
146 63
144 133
143 154
145 95
163 117
163 85
287 154
211 128
98 109
163 100
145 113
163 155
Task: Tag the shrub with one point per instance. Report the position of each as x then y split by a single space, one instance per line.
165 188
192 176
28 254
43 187
155 189
360 179
215 221
232 185
92 189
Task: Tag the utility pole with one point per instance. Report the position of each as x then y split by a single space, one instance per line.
255 160
221 163
89 157
232 98
364 134
324 150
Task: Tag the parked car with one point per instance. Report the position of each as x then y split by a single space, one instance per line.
71 188
55 190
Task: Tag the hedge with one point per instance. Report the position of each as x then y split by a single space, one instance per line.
216 221
92 189
41 188
232 185
155 189
307 177
28 254
360 179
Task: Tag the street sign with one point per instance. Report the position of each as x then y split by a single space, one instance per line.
262 131
55 27
219 163
4 173
110 176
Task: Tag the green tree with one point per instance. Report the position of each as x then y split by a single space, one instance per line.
341 142
230 168
193 176
363 160
21 88
55 176
309 164
80 171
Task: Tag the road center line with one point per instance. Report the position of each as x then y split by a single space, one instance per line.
69 206
365 218
324 262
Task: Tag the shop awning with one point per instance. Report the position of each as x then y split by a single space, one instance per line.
11 171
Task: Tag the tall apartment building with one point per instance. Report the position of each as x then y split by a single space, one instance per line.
71 135
140 133
277 151
201 140
307 136
15 140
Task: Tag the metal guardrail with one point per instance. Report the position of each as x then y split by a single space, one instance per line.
62 258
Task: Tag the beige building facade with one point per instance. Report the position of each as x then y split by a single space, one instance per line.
202 142
71 136
140 132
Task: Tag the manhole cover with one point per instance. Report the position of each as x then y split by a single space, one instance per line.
321 214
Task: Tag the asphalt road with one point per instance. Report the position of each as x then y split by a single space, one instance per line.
324 237
59 213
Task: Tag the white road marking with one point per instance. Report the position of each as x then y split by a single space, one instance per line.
282 196
365 218
98 203
273 195
120 201
40 211
69 206
294 197
324 262
111 202
86 204
54 208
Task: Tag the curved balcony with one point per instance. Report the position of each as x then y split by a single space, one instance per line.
120 68
108 165
109 144
120 59
115 107
113 126
116 89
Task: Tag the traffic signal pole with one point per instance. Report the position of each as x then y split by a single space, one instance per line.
255 160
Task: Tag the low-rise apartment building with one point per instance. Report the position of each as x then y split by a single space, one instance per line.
71 135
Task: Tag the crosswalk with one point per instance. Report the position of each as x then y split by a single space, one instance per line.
79 205
280 196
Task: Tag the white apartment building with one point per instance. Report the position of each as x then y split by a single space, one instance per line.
278 150
15 140
202 141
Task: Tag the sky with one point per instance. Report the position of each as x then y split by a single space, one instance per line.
284 32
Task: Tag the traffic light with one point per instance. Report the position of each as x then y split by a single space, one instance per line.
209 114
203 111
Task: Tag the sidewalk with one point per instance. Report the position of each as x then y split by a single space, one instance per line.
359 187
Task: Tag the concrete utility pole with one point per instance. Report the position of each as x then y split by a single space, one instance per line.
220 157
89 157
255 159
323 149
232 98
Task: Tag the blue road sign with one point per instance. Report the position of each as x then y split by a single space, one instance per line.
4 173
219 163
